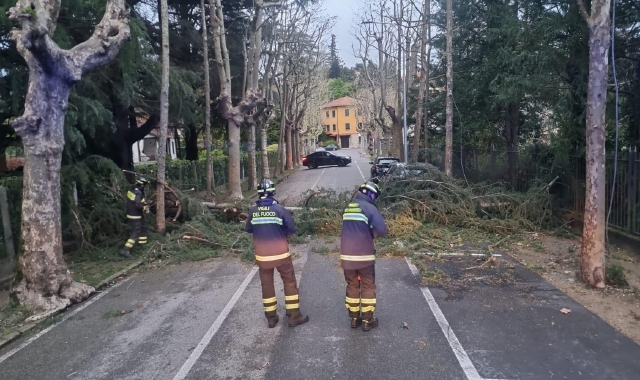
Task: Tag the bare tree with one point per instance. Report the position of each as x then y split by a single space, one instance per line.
448 160
207 99
164 119
46 284
423 91
234 115
592 263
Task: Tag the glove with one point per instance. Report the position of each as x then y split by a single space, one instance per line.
145 209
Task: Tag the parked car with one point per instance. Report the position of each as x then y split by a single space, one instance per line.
317 159
331 147
381 165
400 170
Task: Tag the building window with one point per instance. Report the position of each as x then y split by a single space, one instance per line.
334 127
359 125
359 112
346 112
327 128
347 126
327 113
333 113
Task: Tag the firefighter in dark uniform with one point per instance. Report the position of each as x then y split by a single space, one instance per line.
136 206
361 223
271 224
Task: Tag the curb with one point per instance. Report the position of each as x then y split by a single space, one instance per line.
9 338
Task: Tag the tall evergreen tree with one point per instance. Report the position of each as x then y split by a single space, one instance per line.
335 68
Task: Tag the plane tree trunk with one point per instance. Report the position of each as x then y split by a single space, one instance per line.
44 283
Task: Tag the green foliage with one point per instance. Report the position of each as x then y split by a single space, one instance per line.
338 88
427 195
99 217
615 276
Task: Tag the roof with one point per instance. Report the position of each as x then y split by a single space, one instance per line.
341 102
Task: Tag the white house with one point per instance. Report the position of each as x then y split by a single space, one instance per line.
146 150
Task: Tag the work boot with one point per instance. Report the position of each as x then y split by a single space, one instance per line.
124 252
355 322
273 321
296 318
370 324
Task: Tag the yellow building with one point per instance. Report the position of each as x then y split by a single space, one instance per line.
342 121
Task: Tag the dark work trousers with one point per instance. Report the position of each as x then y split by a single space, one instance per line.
361 290
138 233
291 300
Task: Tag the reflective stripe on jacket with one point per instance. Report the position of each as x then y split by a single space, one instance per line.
361 223
270 224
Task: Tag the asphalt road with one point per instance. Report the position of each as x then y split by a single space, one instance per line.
290 193
205 321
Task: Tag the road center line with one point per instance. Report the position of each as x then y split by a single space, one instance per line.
206 339
358 166
316 182
466 364
66 317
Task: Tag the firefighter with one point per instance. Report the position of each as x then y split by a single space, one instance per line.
136 206
271 224
361 223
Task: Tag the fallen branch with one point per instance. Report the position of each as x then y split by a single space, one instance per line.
187 237
490 261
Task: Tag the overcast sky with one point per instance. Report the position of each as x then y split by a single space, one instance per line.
344 10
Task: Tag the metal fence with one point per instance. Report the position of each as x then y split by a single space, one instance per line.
192 175
538 166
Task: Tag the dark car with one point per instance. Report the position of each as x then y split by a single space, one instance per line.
381 165
317 159
400 170
331 147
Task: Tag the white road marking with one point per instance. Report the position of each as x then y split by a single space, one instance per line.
206 339
466 364
358 166
316 182
66 317
455 254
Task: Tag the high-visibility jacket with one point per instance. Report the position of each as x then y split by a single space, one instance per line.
270 224
361 223
135 203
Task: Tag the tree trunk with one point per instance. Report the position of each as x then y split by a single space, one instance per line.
253 180
592 263
45 284
396 146
423 91
289 152
265 154
207 99
191 144
512 125
3 163
296 147
234 185
164 120
448 161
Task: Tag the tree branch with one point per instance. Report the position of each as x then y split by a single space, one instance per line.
37 21
138 133
105 43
